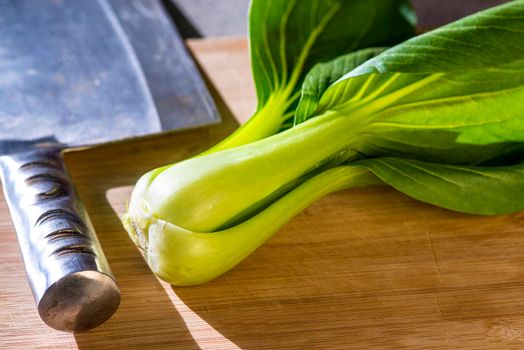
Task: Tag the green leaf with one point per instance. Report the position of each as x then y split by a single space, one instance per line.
287 37
322 75
469 189
432 95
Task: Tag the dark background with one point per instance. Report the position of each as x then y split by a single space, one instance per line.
228 17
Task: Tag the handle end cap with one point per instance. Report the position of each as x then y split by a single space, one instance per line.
79 301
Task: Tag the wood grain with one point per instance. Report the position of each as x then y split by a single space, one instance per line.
361 269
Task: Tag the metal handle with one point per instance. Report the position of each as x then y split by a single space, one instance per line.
72 283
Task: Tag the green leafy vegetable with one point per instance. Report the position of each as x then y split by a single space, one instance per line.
439 117
287 37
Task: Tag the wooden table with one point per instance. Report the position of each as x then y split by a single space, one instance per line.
361 269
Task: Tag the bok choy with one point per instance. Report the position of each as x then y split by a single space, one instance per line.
439 117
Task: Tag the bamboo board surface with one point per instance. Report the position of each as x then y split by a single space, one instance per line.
361 269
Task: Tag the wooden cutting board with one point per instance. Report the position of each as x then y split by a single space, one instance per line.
361 269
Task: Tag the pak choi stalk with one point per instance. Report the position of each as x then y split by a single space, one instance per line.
185 257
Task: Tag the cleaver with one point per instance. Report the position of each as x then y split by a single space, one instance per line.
75 73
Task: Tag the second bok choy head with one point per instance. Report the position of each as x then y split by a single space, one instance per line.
439 117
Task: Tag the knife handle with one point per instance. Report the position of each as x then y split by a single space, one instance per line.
72 283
